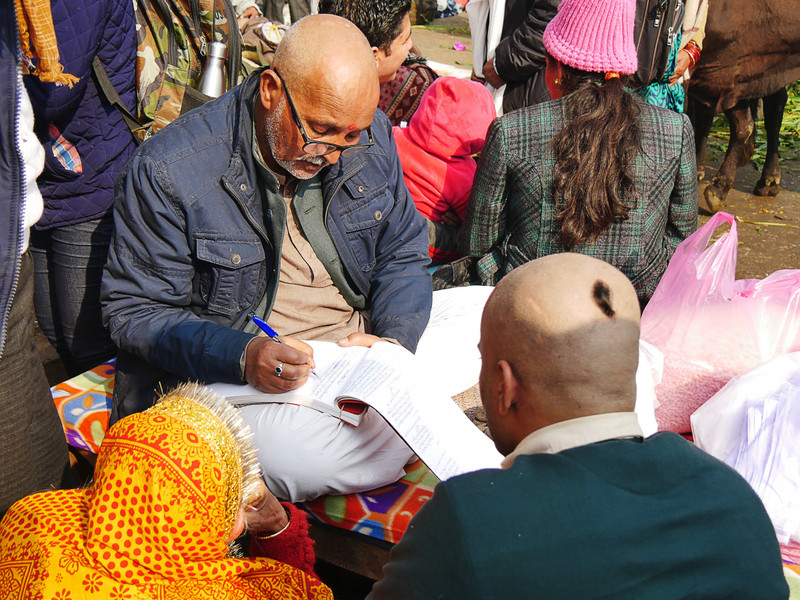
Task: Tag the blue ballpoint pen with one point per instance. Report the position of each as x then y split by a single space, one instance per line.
262 325
273 335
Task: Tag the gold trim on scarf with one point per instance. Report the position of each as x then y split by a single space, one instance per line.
223 428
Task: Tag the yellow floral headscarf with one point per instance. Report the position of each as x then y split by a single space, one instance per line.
168 484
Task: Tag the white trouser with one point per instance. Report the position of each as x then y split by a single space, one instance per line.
305 453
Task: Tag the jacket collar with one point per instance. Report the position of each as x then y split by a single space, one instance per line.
577 432
240 179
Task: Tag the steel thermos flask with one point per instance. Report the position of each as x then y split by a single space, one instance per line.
212 82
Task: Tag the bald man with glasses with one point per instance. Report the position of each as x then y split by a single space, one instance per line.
283 199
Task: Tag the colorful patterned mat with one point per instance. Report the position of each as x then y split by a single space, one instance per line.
84 405
383 513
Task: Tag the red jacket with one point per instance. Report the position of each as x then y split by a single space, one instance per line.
437 146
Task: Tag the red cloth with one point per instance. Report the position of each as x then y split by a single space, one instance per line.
437 146
292 547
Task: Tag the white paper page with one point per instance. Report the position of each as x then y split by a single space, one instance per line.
430 422
384 363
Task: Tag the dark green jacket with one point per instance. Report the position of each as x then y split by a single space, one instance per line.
657 519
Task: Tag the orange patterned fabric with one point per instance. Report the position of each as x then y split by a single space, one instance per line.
153 525
37 38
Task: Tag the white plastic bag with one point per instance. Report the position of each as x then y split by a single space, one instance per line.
648 376
753 425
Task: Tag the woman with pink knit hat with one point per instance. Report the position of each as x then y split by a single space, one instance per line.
594 170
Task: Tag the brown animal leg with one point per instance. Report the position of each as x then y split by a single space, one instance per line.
702 118
770 182
741 127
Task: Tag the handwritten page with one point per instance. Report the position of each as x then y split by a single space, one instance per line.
334 365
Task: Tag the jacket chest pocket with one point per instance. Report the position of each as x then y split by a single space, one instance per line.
230 273
365 216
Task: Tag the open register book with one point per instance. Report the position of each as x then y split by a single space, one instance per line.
384 378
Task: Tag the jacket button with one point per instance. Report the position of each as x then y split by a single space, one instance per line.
377 215
243 187
361 188
236 259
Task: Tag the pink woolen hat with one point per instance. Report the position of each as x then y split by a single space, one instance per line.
594 35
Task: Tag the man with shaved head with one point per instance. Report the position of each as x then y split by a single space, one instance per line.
584 506
385 23
283 199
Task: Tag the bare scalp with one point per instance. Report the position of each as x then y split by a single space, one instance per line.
328 53
569 324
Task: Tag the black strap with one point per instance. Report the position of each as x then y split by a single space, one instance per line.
234 43
114 100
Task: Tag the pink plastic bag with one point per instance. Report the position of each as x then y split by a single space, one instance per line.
711 327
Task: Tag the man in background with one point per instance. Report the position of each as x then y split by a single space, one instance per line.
508 49
283 199
386 25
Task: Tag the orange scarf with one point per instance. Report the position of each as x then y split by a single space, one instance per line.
37 38
153 525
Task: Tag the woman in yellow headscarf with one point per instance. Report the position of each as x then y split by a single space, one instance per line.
173 486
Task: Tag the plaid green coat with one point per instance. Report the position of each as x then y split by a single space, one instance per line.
511 220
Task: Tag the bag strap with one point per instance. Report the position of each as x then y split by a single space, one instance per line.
701 238
309 202
234 43
111 95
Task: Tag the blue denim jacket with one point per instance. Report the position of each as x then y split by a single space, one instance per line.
192 257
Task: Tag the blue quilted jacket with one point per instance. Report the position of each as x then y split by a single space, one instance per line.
86 140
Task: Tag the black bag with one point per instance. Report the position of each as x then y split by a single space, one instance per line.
656 28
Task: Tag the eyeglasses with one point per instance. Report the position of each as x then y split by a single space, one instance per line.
317 148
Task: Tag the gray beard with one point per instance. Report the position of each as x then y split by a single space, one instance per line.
276 140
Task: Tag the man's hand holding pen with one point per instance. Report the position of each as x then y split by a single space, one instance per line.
276 367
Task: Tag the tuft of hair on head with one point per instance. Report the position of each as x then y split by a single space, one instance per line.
601 294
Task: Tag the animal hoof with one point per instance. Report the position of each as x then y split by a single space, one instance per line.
714 200
766 189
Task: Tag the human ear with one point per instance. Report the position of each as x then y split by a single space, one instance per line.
269 86
380 56
554 77
506 394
